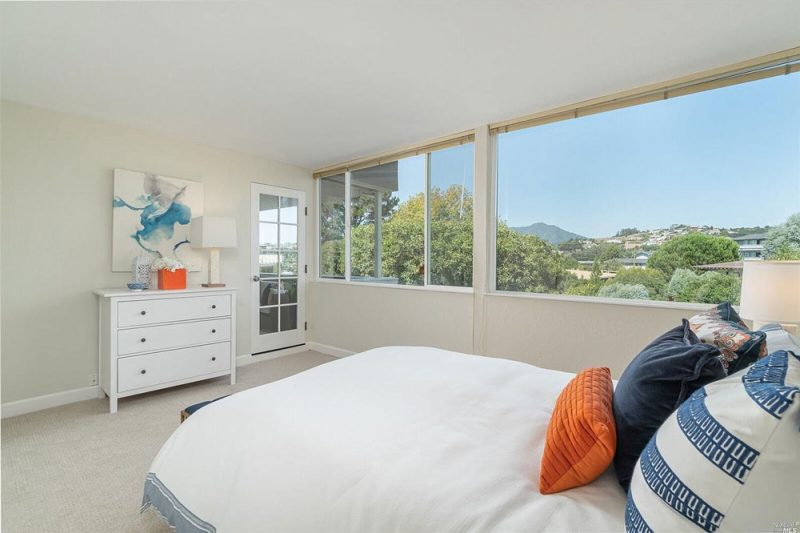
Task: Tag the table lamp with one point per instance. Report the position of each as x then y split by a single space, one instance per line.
213 233
771 293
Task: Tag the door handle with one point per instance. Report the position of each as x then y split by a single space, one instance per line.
255 278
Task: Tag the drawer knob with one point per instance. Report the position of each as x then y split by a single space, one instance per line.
144 371
143 313
213 331
214 306
143 339
213 358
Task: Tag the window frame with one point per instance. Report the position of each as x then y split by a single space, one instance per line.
495 130
427 285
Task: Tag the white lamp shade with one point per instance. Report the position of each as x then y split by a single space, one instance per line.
213 232
771 291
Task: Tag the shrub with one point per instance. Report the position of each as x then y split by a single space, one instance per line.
624 290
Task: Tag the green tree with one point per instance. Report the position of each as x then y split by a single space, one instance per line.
527 263
635 291
709 287
783 242
451 236
693 249
654 280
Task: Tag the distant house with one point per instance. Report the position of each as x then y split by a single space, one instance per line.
751 246
639 260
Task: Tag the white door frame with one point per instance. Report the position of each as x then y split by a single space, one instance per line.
276 341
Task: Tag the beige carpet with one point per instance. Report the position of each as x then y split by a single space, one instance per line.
79 468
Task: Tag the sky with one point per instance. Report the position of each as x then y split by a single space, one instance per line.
726 158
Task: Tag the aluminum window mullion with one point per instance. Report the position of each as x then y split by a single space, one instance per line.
426 216
347 224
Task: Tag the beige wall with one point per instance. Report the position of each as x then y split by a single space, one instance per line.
56 233
559 334
359 317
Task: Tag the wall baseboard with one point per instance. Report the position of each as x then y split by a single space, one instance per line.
247 359
38 403
328 350
56 399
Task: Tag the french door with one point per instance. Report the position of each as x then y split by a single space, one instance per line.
278 218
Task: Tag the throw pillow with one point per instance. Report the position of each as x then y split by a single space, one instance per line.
581 437
722 327
729 457
653 385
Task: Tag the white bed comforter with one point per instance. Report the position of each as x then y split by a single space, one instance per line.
393 439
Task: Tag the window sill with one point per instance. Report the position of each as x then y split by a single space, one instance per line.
607 301
428 288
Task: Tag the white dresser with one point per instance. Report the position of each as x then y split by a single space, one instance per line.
155 339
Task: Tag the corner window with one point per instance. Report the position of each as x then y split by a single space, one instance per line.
658 201
332 227
410 221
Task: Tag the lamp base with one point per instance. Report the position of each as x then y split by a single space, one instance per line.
212 284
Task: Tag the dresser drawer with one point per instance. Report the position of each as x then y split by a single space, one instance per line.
152 338
144 312
151 369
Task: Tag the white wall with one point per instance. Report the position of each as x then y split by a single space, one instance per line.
359 317
56 233
559 334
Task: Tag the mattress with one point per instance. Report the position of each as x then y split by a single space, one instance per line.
392 439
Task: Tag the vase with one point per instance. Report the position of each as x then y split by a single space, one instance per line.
140 269
170 280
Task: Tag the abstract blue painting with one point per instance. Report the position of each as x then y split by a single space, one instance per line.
152 214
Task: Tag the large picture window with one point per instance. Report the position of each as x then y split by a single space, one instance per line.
658 201
410 221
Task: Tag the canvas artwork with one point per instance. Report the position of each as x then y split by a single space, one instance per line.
152 214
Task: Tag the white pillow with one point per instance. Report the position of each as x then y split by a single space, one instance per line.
780 339
727 459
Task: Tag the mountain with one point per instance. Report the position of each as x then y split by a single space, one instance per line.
548 232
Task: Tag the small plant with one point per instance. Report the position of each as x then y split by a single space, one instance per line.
167 263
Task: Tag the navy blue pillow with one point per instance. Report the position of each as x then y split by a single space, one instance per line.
653 385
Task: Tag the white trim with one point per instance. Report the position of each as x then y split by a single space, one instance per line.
608 301
348 197
429 288
328 350
248 359
56 399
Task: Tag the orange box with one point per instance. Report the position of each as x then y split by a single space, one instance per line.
168 279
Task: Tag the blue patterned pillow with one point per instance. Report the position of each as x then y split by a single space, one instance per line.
728 458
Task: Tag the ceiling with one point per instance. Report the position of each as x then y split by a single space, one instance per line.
319 82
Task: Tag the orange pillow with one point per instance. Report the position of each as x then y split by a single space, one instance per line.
581 436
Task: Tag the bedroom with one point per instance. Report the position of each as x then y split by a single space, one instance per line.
419 222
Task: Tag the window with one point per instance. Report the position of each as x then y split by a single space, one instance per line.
332 227
410 221
450 216
649 201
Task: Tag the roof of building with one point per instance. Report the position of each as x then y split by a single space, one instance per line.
732 265
750 236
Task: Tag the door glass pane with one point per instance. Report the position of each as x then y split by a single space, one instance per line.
288 317
269 292
331 227
268 320
289 210
268 208
288 291
288 237
268 236
268 264
288 266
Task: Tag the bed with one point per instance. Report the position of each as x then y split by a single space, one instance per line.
392 439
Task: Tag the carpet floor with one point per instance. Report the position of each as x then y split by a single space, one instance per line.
79 468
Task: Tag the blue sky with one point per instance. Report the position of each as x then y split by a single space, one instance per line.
728 157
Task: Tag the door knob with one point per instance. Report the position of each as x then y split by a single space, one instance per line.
255 278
